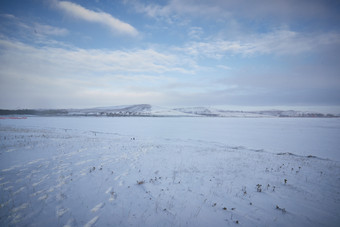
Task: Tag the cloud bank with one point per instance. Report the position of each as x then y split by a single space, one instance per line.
79 12
182 52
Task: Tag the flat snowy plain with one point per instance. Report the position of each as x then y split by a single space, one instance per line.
130 171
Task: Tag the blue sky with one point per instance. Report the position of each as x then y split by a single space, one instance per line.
62 54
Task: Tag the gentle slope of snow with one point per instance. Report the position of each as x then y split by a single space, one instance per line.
301 136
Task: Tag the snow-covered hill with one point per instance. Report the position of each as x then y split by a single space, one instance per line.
157 111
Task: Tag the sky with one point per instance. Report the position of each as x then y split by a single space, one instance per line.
79 53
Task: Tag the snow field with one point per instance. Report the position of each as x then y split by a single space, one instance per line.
69 177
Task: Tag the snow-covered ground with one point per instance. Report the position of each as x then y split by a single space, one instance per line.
93 171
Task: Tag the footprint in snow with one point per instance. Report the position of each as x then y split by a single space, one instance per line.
10 150
8 188
92 222
113 195
61 211
21 207
44 197
71 222
19 190
97 207
108 190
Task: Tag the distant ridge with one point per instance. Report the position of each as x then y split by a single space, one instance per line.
147 110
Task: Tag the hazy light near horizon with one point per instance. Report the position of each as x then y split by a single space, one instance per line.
75 54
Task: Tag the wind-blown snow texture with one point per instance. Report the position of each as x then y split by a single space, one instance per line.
134 171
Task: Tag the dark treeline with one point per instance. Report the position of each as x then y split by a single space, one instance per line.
32 112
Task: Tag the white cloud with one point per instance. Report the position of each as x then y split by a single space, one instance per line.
224 67
174 8
31 30
51 75
8 16
278 42
195 33
86 61
103 18
50 30
154 10
288 10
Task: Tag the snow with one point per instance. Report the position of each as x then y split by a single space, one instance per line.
165 111
158 111
96 171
